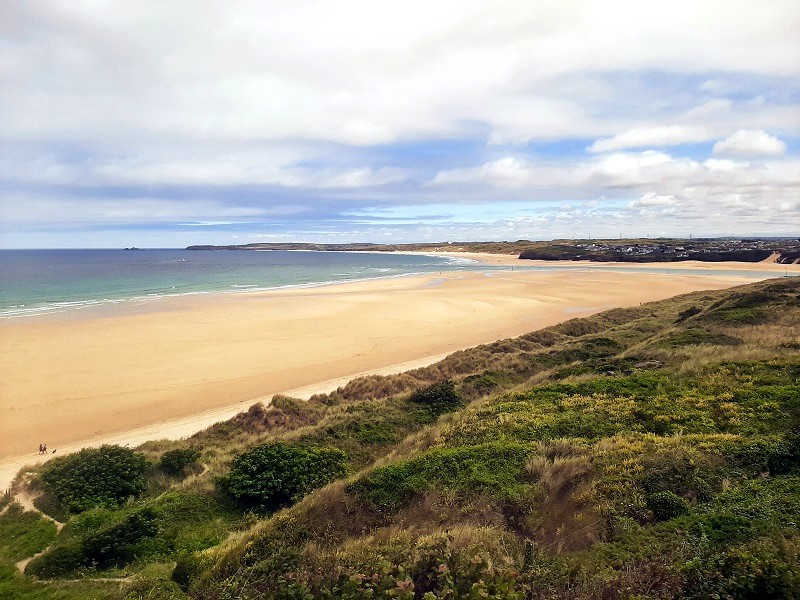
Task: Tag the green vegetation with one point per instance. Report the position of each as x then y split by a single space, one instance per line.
492 469
667 505
176 462
111 545
648 452
276 475
23 533
438 398
102 476
15 586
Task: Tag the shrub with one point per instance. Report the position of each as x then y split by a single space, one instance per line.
60 561
276 475
494 469
175 461
767 568
188 568
689 312
438 398
786 458
667 505
95 477
116 545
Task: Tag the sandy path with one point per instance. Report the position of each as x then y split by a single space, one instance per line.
174 366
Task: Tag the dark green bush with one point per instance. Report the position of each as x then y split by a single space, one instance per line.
689 312
58 562
117 544
186 569
102 476
276 475
175 461
113 545
438 398
667 505
786 458
724 528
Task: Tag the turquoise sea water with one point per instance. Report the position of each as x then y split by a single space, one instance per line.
43 281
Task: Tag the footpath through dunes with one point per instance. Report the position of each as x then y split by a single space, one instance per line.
651 449
77 378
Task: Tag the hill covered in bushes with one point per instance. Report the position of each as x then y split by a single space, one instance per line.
648 452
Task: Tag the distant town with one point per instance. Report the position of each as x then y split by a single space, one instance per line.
779 250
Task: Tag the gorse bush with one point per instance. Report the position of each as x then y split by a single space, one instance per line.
102 476
276 475
438 398
786 458
59 561
116 545
175 461
667 505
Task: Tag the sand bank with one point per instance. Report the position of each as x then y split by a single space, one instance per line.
177 365
766 266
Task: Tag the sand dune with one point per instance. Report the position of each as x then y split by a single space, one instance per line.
169 367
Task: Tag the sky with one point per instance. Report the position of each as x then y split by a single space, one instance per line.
165 124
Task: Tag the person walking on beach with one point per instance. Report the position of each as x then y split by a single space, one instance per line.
41 448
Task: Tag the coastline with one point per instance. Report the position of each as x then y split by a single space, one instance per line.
184 363
766 266
471 260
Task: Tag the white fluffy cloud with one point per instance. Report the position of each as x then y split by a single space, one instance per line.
750 143
648 137
658 178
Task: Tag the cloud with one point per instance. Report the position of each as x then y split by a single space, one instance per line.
643 137
653 200
750 143
219 113
245 71
657 178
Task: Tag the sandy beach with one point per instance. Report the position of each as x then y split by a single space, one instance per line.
173 366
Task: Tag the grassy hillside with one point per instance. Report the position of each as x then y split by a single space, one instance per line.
649 452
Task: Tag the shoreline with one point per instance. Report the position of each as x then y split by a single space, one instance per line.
134 304
694 265
188 362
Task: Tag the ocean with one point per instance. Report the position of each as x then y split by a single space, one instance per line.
43 281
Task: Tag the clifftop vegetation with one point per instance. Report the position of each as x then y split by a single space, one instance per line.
785 250
648 452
